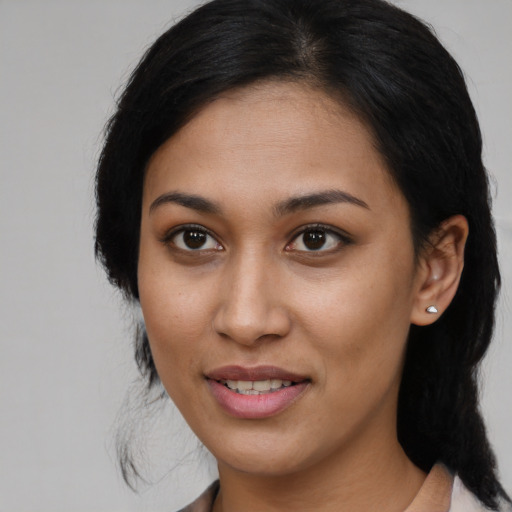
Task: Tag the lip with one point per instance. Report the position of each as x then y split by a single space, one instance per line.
235 372
260 406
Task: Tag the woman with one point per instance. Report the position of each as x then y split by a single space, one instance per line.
291 190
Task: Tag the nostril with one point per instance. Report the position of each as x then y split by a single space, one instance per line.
253 328
250 310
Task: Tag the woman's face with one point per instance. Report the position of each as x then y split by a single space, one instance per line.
277 280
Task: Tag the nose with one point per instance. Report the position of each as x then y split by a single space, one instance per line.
251 307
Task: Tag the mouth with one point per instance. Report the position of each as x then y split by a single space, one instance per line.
255 393
256 387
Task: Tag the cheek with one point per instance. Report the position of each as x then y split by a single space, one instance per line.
176 316
360 319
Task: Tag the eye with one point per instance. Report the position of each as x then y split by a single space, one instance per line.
317 239
193 238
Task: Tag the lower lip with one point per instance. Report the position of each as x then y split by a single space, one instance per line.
255 406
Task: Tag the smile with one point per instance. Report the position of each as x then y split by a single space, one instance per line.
255 393
256 387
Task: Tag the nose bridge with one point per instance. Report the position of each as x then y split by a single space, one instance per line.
250 307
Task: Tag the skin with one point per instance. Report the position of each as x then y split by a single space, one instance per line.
255 295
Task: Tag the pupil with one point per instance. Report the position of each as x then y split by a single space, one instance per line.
194 239
314 239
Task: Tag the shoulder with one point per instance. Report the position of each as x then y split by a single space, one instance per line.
205 502
464 500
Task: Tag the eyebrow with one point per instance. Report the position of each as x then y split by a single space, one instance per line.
288 206
191 201
317 199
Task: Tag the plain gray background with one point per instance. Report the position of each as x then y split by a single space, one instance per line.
66 359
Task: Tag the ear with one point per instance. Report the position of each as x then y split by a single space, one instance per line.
439 270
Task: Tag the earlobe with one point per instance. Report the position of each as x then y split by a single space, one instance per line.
439 270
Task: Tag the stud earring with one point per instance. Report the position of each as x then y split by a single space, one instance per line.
432 310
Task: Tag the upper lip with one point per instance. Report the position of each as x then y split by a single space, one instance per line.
235 372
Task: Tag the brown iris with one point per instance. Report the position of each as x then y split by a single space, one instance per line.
314 239
194 239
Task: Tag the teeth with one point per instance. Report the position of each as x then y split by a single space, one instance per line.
243 385
256 387
261 385
276 383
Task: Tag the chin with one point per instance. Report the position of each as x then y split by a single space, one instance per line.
263 466
264 459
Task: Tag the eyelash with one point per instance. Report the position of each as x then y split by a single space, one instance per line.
171 235
328 231
343 238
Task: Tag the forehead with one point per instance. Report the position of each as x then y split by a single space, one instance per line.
269 139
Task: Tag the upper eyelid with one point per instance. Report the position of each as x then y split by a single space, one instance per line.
325 227
346 237
170 233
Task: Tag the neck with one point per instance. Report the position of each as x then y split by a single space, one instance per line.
356 480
